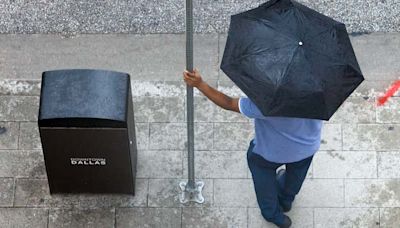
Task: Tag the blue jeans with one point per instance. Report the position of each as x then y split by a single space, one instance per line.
271 192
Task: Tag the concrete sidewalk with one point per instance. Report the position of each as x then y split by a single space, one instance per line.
354 180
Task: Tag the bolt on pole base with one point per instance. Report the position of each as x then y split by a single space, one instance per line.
191 194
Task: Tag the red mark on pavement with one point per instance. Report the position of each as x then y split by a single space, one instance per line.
389 93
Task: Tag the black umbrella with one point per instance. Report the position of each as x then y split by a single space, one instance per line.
290 60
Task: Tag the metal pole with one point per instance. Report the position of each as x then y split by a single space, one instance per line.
192 190
189 92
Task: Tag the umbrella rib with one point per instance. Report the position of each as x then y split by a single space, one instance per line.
257 52
338 60
314 14
290 63
299 17
263 21
318 34
280 78
315 17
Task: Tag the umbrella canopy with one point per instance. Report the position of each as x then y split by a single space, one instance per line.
291 60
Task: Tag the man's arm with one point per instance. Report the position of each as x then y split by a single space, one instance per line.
224 101
219 98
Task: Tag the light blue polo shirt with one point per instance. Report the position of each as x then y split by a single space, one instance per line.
282 139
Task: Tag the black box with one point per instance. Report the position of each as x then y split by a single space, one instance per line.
87 131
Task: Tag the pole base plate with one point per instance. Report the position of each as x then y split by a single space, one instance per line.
191 194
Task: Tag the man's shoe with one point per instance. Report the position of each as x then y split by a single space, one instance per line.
287 222
284 207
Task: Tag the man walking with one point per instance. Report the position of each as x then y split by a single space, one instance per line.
278 141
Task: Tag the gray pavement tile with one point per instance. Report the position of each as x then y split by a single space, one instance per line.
29 137
6 192
35 193
204 110
389 112
345 164
377 51
331 136
157 88
22 163
219 164
374 88
233 136
388 164
159 109
76 218
177 136
390 217
371 136
207 111
355 110
176 131
320 193
23 217
372 192
234 193
223 115
148 217
20 87
230 89
214 217
19 108
346 217
142 135
159 164
9 135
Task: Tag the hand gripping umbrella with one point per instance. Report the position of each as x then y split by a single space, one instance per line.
191 190
290 60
